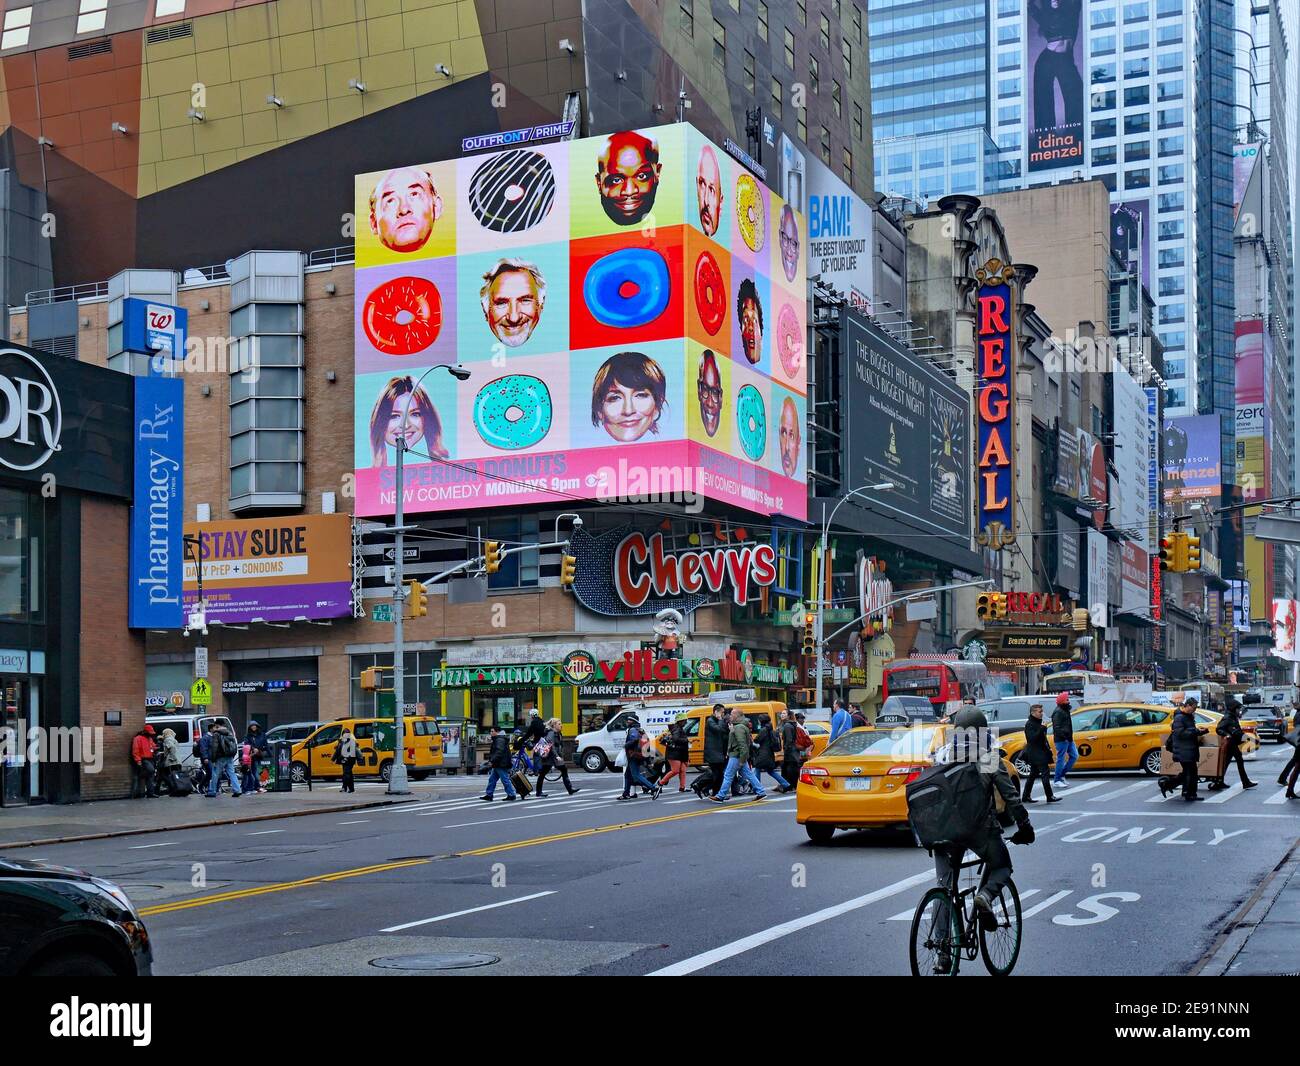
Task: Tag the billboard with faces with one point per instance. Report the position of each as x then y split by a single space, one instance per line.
632 311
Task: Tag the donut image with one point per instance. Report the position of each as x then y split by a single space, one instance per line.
789 340
710 293
513 412
751 422
402 316
749 212
513 191
627 288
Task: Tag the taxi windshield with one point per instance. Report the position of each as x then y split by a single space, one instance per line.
898 743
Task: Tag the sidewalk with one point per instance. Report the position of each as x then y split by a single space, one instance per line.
22 827
1263 941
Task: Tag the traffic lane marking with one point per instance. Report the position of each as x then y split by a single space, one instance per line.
360 821
142 847
265 832
1074 787
526 817
765 936
468 910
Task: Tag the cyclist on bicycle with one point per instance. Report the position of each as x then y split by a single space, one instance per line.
972 741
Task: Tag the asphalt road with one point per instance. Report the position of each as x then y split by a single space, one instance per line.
1118 882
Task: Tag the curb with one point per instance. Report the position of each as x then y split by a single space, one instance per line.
5 845
1242 925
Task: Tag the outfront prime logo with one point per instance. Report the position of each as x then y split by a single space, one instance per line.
133 1021
31 417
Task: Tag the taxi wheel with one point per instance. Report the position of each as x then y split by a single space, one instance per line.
298 773
385 770
1151 763
819 834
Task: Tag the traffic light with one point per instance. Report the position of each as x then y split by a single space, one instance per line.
809 636
1169 551
1080 619
568 569
492 556
418 598
370 679
1191 552
998 605
984 605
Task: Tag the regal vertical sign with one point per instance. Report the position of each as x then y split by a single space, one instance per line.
158 501
995 407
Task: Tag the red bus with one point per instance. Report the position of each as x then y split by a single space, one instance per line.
945 682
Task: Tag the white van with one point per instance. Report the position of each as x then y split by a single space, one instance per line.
188 727
598 749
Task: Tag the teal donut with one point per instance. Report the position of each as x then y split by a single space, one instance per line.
751 422
513 412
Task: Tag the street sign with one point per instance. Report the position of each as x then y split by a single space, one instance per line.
201 692
409 554
178 699
200 662
381 612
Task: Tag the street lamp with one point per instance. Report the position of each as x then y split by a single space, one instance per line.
821 599
397 783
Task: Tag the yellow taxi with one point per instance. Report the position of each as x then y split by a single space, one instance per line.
314 754
1121 736
693 722
859 782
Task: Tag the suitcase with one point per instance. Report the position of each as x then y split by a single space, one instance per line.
522 785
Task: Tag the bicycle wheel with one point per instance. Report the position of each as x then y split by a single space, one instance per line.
935 947
1001 946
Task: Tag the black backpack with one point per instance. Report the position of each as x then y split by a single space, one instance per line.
948 803
223 745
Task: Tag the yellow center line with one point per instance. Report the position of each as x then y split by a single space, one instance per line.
363 871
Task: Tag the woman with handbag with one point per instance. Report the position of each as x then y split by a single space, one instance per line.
345 754
547 753
1231 734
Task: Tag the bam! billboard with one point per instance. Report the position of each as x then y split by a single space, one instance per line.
632 312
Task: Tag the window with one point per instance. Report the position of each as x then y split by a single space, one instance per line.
1167 62
1104 100
1103 73
846 50
1170 201
1104 128
1103 45
1008 115
1173 312
1171 257
836 98
1008 87
825 145
1171 175
776 98
789 49
1135 39
1137 123
835 8
801 123
814 74
1136 151
846 157
762 20
1009 34
1009 60
1107 180
1169 89
1008 8
1170 231
1173 286
719 43
900 163
17 27
1137 96
688 17
1102 18
824 32
517 571
1170 34
1136 68
1171 118
1137 179
1138 12
857 121
1084 721
1169 7
22 541
1007 168
163 8
91 16
748 72
801 6
1171 145
1103 157
857 23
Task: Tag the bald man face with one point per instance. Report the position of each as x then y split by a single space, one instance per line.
790 438
403 209
708 187
627 176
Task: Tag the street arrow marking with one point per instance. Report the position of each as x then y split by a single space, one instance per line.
470 910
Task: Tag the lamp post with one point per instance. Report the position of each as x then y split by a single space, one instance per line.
821 578
397 783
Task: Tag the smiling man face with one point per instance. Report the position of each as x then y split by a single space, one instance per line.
512 297
403 208
627 177
708 188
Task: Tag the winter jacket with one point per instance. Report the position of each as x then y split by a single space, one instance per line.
142 747
716 734
1230 726
535 731
205 747
499 753
677 745
789 741
171 755
1037 751
1186 734
553 737
765 748
256 742
347 748
840 723
739 741
1062 724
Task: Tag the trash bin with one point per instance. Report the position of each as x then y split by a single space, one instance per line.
281 779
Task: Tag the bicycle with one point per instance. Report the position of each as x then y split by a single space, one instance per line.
945 926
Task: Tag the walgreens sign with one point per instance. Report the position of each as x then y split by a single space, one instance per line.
643 568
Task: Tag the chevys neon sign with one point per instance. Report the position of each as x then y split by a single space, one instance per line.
994 405
643 568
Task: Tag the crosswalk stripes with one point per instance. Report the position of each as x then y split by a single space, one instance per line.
1137 786
1073 788
1223 795
1278 797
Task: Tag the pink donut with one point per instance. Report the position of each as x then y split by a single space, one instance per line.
789 340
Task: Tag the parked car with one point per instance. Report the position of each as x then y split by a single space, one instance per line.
291 731
188 726
1270 721
1010 715
59 922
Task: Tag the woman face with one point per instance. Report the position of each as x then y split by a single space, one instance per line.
628 413
414 423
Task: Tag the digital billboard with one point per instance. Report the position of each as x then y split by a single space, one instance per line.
631 309
1056 99
1130 236
1192 463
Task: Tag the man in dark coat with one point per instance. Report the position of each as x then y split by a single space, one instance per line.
499 759
1229 728
1067 752
715 744
765 747
1037 754
1186 746
790 749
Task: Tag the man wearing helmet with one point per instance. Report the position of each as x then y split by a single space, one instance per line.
973 741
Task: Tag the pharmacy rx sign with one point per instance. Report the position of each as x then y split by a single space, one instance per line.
995 406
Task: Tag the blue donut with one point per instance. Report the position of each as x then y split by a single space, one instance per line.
513 412
627 288
751 422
